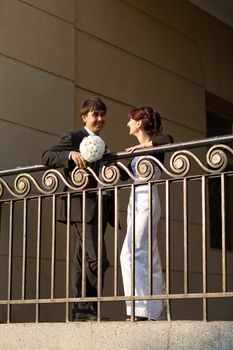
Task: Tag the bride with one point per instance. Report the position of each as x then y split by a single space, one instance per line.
145 124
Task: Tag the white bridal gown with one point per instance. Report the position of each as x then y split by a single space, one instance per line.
145 308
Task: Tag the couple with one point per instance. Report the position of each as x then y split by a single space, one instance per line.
145 124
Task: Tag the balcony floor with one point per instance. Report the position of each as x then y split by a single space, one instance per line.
160 335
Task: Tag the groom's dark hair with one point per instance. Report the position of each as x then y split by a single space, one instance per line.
92 104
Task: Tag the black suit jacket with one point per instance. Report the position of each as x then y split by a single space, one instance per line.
58 157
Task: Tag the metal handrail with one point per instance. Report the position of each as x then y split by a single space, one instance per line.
123 155
29 212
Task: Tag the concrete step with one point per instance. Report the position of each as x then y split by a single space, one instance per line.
142 335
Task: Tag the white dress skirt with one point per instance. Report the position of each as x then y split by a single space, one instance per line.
150 309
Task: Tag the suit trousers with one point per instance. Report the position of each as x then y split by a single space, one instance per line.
91 238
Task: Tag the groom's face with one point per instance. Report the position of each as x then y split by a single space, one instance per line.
95 120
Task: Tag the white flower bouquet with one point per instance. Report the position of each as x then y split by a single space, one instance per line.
92 148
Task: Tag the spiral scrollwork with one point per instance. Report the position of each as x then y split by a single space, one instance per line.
22 185
179 163
50 181
1 190
79 177
216 158
110 174
144 169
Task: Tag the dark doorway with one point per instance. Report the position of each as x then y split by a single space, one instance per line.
219 121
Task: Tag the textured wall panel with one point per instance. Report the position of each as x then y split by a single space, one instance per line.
134 31
21 146
34 98
36 38
197 24
111 72
223 48
60 8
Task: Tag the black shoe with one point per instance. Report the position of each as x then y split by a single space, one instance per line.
84 312
93 307
137 318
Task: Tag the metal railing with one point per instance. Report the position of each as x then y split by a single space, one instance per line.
36 259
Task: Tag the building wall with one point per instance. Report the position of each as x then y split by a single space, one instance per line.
54 54
36 75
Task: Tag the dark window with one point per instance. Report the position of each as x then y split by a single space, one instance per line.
216 126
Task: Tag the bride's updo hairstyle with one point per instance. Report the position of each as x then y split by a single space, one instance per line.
151 120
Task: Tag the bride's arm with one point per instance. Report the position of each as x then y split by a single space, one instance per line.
156 140
141 145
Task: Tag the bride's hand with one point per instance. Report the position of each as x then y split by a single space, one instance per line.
141 145
132 149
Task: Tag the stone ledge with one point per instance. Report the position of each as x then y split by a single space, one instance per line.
160 335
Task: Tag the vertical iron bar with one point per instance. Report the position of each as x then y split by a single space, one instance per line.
67 254
185 213
84 245
100 248
53 244
204 247
116 223
224 286
150 291
24 247
10 260
38 256
167 190
133 252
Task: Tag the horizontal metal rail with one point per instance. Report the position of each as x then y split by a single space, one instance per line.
119 298
122 155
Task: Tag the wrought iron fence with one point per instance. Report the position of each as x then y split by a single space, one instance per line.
36 258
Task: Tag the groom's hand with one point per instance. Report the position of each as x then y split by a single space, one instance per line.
77 158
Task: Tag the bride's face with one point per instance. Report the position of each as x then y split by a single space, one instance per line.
133 126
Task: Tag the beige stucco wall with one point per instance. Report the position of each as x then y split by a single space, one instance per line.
37 77
56 53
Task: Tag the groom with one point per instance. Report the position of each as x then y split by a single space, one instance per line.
66 154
